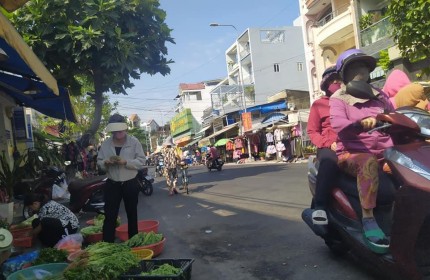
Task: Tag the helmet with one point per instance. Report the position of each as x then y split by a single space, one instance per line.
328 74
352 55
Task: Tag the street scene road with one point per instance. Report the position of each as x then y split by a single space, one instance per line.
245 223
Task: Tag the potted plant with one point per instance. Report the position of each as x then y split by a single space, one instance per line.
262 155
10 175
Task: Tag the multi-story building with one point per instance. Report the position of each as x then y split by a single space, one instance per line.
192 99
332 26
262 62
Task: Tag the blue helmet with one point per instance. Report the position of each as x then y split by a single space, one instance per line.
353 55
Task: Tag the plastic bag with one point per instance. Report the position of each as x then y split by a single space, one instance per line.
70 243
59 191
16 263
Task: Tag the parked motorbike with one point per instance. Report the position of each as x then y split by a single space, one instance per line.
214 163
145 182
160 166
80 195
402 208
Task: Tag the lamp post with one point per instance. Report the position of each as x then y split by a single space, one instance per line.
240 78
238 61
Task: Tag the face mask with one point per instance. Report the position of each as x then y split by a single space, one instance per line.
332 88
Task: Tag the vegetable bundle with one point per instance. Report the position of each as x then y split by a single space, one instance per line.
91 230
164 269
51 255
143 239
101 261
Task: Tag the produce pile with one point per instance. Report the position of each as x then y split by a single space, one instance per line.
51 255
101 261
97 227
143 239
162 270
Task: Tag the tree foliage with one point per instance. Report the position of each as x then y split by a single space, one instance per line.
411 27
110 42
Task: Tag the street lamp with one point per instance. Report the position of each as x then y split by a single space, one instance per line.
214 24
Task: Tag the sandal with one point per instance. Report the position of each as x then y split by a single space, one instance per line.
319 217
374 237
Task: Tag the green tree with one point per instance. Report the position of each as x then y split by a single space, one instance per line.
110 42
411 27
141 135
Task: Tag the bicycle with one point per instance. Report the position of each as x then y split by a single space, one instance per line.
183 166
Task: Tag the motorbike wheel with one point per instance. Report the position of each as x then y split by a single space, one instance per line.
146 188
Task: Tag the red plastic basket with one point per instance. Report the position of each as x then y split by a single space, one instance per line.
22 237
157 248
93 238
142 226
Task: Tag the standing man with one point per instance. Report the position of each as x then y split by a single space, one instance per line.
171 159
121 156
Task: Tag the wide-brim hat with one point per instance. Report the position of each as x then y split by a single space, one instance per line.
168 142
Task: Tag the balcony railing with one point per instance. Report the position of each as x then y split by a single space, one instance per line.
332 15
375 32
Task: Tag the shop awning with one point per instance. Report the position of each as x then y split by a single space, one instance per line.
193 142
206 141
35 94
21 59
222 142
267 108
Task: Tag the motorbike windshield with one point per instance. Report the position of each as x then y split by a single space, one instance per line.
421 117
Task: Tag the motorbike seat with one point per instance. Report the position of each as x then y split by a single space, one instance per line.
386 190
79 184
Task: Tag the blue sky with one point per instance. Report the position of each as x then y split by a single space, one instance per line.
199 52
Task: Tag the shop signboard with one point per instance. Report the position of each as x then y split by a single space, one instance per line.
181 122
247 121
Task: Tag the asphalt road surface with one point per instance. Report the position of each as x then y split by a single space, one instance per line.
245 223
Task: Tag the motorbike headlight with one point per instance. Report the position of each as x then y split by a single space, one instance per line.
408 162
421 117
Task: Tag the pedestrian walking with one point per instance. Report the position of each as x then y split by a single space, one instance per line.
171 159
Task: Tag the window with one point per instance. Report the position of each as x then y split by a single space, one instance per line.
276 67
300 66
272 36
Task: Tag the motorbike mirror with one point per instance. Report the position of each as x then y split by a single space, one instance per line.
360 89
40 158
67 162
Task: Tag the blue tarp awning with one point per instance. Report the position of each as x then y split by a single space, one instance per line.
274 117
267 108
38 96
19 81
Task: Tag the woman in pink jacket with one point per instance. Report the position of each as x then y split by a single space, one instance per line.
358 151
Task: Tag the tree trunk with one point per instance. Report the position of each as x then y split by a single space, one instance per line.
98 100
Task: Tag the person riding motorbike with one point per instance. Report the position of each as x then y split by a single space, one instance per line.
213 154
351 116
324 137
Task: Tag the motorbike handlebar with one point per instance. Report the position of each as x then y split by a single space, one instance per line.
379 126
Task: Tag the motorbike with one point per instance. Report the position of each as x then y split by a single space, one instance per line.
145 182
79 195
160 166
403 197
214 163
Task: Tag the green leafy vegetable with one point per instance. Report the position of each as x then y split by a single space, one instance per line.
164 269
143 239
51 255
91 230
102 261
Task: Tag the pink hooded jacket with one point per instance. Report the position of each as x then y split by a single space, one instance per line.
395 81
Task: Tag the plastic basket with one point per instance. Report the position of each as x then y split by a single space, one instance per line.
157 248
143 254
22 237
39 271
142 226
147 265
93 238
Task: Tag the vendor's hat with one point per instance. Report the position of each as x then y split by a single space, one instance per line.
168 142
116 123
